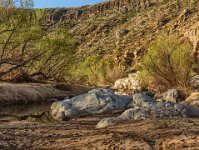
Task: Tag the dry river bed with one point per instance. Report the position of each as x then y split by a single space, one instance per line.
17 132
80 133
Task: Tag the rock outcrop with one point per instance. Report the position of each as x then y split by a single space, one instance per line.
96 101
145 107
117 6
99 101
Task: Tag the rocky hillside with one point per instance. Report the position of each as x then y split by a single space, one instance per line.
124 29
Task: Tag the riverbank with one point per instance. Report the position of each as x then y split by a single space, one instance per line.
24 93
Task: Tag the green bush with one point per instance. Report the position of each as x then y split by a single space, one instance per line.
27 48
168 62
95 70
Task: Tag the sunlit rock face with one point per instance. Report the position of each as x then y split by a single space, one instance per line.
68 14
131 82
125 85
94 102
193 99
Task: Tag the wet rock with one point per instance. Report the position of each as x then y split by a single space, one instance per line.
172 95
94 102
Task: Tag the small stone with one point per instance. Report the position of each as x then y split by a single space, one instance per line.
172 95
194 82
193 97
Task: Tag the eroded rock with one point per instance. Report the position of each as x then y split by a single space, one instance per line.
143 100
125 84
192 97
140 107
145 107
172 95
94 102
194 82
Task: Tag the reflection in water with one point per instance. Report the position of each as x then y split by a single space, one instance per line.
30 112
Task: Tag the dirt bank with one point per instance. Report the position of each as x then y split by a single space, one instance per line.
81 133
34 92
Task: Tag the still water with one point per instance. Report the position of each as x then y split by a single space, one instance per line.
38 112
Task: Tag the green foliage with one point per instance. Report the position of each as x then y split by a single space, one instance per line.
59 48
17 3
168 62
27 47
94 70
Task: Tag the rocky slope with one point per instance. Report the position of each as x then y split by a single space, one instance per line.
124 29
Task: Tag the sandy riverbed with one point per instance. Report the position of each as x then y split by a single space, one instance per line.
80 133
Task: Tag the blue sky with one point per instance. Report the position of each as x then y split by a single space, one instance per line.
63 3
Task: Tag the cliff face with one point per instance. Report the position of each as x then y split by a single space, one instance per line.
106 8
124 29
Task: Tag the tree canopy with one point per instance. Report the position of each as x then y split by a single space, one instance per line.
17 3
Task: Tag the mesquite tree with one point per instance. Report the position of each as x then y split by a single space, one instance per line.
27 47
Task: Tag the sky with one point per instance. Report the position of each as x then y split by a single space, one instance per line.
63 3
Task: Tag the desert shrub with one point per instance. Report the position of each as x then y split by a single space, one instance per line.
95 70
167 63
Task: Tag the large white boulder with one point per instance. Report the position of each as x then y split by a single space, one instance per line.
94 102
